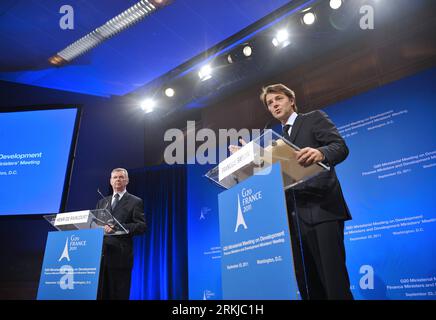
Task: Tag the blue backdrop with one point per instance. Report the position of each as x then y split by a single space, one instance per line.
204 250
160 256
388 182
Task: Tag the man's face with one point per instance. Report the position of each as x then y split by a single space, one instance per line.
280 106
119 181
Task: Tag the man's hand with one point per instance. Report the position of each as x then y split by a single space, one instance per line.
308 156
108 229
233 148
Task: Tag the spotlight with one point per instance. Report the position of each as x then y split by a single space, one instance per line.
241 53
205 73
281 39
57 60
335 4
309 18
148 105
247 51
160 3
169 92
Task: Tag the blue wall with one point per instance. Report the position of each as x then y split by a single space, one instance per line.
388 181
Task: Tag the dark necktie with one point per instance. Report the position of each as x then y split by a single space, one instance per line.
285 133
116 199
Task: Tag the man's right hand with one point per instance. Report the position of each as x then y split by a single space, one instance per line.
233 148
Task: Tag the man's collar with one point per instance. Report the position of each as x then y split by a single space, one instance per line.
291 119
121 193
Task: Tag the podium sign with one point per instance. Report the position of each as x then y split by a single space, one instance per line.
257 259
70 270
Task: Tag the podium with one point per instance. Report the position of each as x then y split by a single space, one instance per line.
71 264
256 229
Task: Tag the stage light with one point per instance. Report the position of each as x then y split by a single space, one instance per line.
247 51
161 3
281 39
240 53
169 92
205 73
115 25
309 18
335 4
148 105
56 60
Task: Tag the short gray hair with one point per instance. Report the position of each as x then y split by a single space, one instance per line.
122 170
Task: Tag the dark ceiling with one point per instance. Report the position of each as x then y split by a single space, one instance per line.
30 33
167 48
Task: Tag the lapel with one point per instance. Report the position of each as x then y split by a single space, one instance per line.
296 127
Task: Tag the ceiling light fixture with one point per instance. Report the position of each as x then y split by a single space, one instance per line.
309 18
148 105
335 4
169 92
205 73
247 51
281 39
240 53
117 24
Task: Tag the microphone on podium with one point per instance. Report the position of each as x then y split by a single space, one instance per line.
111 220
104 198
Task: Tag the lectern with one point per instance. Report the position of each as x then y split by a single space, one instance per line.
71 265
257 253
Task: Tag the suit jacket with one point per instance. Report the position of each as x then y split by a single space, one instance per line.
118 250
320 199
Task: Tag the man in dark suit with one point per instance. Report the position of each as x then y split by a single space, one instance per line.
317 209
117 256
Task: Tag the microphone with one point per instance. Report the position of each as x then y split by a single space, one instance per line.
109 221
268 125
104 198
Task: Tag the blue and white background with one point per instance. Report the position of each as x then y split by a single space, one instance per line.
388 182
257 261
71 266
204 250
34 185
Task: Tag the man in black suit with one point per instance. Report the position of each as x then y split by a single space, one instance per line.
117 256
317 218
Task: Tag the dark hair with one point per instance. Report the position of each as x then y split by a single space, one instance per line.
277 88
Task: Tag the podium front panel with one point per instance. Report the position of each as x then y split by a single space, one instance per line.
71 265
257 258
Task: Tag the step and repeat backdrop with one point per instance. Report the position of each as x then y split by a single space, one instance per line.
389 184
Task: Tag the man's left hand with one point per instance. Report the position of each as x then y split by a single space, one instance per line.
109 229
308 156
